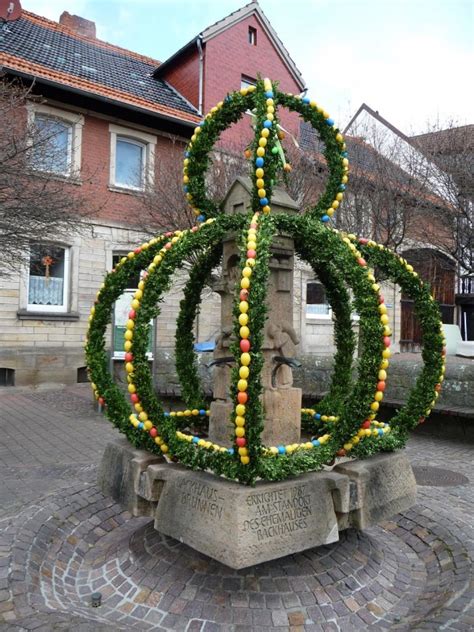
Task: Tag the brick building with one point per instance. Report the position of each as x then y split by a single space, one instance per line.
117 116
120 117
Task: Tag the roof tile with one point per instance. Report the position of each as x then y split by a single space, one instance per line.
51 51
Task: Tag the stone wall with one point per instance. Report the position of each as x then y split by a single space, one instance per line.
48 348
315 374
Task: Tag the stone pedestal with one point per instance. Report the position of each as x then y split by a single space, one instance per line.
281 402
242 526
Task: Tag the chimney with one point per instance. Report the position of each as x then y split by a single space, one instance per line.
78 24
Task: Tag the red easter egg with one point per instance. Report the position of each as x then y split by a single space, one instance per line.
153 432
128 357
387 342
244 294
251 254
241 442
245 345
132 313
366 424
134 398
242 398
381 386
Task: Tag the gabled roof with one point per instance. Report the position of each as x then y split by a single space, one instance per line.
366 163
50 52
253 8
365 108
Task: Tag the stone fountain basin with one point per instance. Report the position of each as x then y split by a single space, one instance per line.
241 526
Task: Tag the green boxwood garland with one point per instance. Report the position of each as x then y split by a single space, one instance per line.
337 261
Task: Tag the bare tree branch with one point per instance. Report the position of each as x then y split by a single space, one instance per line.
36 203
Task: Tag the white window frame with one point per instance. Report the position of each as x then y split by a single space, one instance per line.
53 309
76 123
148 141
310 316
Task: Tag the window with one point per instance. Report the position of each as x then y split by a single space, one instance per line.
132 158
48 280
7 377
316 304
121 310
252 36
56 139
246 82
52 144
129 164
134 280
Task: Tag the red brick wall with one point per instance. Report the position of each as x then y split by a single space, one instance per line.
228 56
113 205
185 76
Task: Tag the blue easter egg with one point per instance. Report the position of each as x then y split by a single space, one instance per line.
263 201
329 122
342 187
140 425
167 414
230 450
185 188
195 439
259 162
202 412
305 99
201 218
380 431
325 218
315 443
267 124
281 449
187 154
317 416
269 94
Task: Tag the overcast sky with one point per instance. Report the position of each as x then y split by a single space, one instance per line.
411 60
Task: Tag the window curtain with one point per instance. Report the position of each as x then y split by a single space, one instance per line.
45 291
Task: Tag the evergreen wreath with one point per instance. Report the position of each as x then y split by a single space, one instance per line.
345 422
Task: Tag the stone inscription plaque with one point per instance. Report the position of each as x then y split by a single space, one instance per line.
241 526
278 513
202 498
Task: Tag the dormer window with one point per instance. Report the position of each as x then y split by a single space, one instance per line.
252 37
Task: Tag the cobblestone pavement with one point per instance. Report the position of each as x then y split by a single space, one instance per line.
61 539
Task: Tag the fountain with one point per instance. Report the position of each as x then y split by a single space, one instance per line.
254 477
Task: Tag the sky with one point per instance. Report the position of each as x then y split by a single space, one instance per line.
411 60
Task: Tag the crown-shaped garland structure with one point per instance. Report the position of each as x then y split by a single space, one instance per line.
345 421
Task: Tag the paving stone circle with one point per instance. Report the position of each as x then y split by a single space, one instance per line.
66 540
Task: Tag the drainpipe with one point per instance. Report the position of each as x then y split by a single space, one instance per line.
201 71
